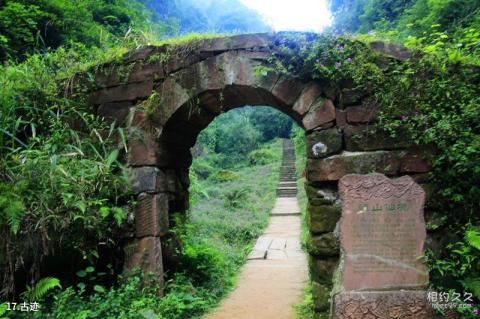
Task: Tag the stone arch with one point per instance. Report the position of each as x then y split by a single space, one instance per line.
170 93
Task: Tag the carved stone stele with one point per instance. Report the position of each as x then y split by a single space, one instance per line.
382 233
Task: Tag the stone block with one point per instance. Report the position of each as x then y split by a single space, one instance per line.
172 182
145 150
322 218
366 138
171 96
361 114
340 118
151 215
321 112
129 73
323 143
335 167
382 305
148 179
116 111
415 160
287 90
311 92
322 270
142 150
127 92
321 296
323 245
351 96
320 196
146 254
242 41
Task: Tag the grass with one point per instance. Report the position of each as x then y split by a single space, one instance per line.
226 219
217 235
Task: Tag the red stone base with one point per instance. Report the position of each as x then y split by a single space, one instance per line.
146 254
384 304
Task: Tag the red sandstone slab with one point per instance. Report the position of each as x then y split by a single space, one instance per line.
384 305
382 233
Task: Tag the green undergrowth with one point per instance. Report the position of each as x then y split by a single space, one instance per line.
217 235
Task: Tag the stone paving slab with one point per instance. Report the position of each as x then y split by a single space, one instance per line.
268 288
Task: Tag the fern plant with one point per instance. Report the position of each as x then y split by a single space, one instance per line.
40 289
473 236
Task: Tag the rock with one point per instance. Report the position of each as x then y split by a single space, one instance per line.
334 167
321 112
322 218
151 215
323 245
323 143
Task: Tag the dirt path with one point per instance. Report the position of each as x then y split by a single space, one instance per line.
273 278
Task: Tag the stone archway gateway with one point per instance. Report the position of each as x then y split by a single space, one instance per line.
166 95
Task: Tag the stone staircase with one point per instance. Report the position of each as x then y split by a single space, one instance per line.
287 186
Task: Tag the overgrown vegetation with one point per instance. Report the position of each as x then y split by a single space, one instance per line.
216 239
432 99
63 192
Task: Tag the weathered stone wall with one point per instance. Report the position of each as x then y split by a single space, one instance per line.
167 95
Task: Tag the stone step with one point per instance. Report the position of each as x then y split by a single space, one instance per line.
287 184
285 196
283 191
294 192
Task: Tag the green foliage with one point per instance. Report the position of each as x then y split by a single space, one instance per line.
215 244
449 28
235 198
431 100
60 177
27 26
473 237
456 268
306 309
236 139
40 289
